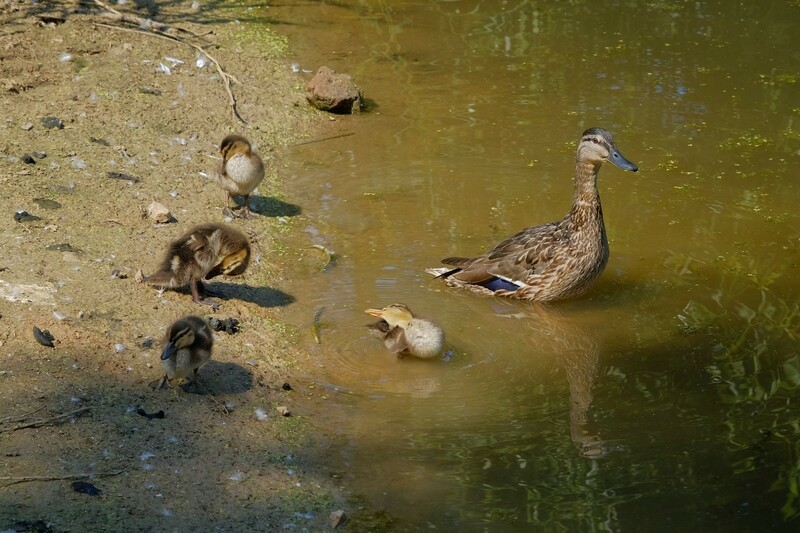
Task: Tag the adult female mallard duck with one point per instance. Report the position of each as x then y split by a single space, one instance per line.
204 252
240 171
187 347
553 261
404 333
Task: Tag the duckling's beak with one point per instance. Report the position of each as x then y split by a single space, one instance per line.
375 312
169 350
619 160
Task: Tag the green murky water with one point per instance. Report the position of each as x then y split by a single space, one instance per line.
667 397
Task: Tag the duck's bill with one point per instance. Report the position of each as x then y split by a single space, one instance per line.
375 312
169 351
619 160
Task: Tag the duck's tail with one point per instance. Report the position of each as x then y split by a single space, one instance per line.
443 273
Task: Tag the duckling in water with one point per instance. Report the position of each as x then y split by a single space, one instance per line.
406 334
240 172
187 347
204 252
552 261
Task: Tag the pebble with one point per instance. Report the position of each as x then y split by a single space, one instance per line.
28 159
337 518
28 126
24 216
121 176
45 338
46 203
283 410
85 488
52 122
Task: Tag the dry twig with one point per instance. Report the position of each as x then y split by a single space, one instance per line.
13 480
37 423
148 27
20 418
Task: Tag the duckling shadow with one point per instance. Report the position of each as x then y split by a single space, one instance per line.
261 296
226 378
271 207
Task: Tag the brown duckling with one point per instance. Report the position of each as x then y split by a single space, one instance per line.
405 334
552 261
204 252
187 347
240 172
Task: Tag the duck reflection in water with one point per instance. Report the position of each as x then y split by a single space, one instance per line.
578 351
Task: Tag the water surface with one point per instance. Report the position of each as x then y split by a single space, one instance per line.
666 398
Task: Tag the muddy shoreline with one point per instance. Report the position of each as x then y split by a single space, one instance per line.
154 110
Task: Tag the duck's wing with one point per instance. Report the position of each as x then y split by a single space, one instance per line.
396 341
516 259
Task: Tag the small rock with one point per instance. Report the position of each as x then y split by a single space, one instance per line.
283 410
45 203
62 247
85 488
28 126
28 159
150 416
121 176
159 213
286 386
117 274
334 92
24 216
52 122
45 338
337 518
147 343
150 90
38 155
77 162
99 141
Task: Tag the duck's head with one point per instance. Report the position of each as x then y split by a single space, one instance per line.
181 335
231 265
232 145
597 147
396 315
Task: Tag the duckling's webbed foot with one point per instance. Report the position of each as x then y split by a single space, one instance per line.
243 212
160 383
200 299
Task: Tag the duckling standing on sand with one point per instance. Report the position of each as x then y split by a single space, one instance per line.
187 347
552 261
406 334
204 252
240 172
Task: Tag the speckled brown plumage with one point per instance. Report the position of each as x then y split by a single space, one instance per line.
186 347
552 261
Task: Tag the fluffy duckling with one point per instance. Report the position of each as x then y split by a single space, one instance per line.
204 252
187 347
240 171
552 261
406 334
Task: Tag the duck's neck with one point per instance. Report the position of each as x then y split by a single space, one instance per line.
587 213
